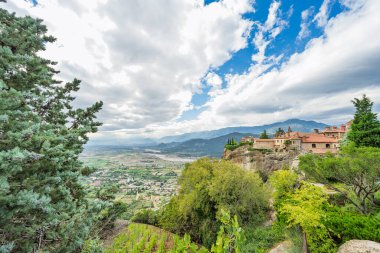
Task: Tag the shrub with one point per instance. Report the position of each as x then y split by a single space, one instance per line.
344 225
208 186
146 216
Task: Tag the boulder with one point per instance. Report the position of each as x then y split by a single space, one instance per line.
359 246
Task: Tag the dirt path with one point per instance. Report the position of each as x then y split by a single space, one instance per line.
120 225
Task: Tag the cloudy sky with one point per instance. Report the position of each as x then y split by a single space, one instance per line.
165 67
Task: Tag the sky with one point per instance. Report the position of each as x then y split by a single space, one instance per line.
166 67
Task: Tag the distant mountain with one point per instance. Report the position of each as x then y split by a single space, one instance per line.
294 124
200 147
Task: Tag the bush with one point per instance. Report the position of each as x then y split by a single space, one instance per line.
261 239
208 186
146 216
344 225
92 246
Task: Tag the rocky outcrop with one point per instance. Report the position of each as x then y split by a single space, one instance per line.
360 246
261 160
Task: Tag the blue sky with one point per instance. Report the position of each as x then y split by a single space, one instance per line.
286 43
165 67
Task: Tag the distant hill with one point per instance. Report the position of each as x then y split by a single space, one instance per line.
200 147
295 124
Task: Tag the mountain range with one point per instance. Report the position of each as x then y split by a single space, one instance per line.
211 143
294 124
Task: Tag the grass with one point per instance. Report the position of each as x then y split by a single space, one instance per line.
262 239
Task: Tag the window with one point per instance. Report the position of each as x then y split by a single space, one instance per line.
313 145
327 145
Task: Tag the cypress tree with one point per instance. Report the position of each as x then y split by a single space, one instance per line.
42 202
365 128
264 135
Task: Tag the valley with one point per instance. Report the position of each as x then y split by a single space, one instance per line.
144 178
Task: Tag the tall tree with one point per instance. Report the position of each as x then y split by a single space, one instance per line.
264 135
42 203
365 128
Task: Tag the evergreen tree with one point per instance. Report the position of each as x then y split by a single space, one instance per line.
264 135
42 202
279 132
365 128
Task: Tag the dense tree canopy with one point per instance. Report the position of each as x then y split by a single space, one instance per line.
41 136
365 128
208 186
354 170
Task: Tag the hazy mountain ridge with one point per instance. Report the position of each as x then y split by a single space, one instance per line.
211 143
200 147
295 124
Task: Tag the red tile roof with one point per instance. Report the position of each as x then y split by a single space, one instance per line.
318 138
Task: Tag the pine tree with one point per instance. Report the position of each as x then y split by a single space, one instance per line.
42 202
365 128
264 135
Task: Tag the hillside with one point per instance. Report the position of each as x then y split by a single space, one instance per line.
200 147
146 238
295 124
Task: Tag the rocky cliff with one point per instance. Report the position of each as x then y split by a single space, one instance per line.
261 160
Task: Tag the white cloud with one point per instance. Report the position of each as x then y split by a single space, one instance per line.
144 59
305 23
215 82
318 83
323 15
267 32
146 62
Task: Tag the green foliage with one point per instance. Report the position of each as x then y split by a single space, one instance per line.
208 186
229 238
287 143
146 216
305 209
261 239
261 150
356 169
232 144
41 136
345 225
264 135
365 128
140 238
284 182
92 246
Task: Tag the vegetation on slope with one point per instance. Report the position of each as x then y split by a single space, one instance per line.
208 186
146 238
348 205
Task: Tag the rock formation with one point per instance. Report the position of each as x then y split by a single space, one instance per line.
359 246
263 161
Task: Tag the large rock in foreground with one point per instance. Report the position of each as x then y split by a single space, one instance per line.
360 246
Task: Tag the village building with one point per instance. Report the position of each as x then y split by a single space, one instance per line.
264 143
319 144
315 142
